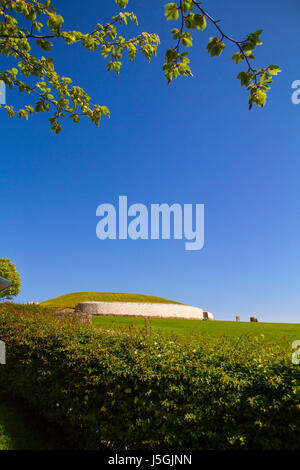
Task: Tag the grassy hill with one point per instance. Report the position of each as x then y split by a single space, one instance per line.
70 300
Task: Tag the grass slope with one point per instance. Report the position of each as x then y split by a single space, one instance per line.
280 333
70 300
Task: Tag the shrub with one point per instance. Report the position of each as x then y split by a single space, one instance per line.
129 390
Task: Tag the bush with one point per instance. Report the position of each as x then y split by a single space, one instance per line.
128 390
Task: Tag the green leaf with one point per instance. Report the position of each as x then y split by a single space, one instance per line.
274 69
195 21
245 78
171 11
215 46
187 39
200 22
187 5
260 98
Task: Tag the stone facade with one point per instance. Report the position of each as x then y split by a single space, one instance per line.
138 309
72 314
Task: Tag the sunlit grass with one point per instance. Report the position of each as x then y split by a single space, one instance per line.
279 333
71 300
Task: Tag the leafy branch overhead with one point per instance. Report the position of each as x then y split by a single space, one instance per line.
192 16
27 23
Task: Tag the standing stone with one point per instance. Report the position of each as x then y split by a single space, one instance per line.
73 314
237 318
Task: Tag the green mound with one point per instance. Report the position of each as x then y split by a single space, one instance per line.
70 300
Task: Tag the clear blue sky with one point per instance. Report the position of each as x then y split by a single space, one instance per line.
191 142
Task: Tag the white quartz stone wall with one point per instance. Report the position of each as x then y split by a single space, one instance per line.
142 309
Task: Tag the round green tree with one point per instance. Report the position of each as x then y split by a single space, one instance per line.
9 272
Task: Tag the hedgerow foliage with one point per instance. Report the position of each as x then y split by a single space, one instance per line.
131 390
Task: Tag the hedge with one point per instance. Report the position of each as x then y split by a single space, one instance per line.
132 390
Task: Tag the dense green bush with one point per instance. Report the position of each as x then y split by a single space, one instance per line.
130 390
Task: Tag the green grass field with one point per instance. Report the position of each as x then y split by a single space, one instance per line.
279 333
71 300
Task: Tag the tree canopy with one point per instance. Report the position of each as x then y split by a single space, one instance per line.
23 22
9 272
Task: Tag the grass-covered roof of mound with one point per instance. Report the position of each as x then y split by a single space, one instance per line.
71 300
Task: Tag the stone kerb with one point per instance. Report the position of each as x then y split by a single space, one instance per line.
73 314
143 310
